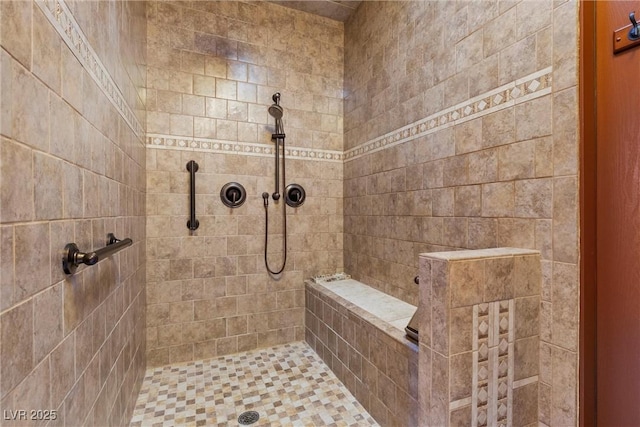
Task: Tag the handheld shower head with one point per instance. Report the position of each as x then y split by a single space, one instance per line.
276 110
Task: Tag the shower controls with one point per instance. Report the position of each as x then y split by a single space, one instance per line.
233 195
294 195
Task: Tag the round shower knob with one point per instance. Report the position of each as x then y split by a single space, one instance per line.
294 195
233 195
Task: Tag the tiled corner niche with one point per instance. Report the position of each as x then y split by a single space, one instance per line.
478 357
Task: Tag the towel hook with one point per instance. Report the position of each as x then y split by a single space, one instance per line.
634 32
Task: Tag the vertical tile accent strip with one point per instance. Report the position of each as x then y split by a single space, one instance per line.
481 392
492 364
60 16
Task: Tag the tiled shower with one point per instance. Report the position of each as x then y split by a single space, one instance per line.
415 127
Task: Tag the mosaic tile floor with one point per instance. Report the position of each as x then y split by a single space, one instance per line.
288 385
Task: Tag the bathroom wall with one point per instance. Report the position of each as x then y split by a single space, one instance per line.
72 169
460 129
213 68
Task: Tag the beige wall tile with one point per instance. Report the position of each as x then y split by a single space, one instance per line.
517 160
467 283
565 139
17 166
525 404
564 392
565 306
565 41
461 330
17 349
46 51
34 392
30 109
498 128
533 198
62 370
516 60
526 358
499 279
533 119
49 178
47 321
498 30
498 199
34 271
565 220
461 369
483 233
527 314
204 86
16 30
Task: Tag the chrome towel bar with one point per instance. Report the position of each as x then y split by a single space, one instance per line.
73 257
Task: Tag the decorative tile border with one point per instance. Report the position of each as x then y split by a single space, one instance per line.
241 148
60 16
527 88
492 382
530 87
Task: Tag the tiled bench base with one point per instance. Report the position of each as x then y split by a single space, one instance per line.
371 356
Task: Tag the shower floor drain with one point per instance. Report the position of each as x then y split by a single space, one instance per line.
248 417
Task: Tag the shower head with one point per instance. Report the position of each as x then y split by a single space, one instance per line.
276 110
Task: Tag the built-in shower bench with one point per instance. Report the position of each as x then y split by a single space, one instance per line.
359 332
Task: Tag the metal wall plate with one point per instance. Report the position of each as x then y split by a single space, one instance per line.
294 195
233 195
621 41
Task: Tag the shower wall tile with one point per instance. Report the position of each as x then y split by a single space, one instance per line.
17 165
72 170
479 365
16 30
46 58
212 71
522 156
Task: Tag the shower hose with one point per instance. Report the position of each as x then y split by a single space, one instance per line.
265 197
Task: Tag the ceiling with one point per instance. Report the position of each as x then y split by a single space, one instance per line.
339 10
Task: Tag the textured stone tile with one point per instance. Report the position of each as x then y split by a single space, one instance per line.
498 199
16 30
47 321
16 165
46 51
467 279
17 346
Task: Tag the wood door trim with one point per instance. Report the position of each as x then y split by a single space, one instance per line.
587 357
